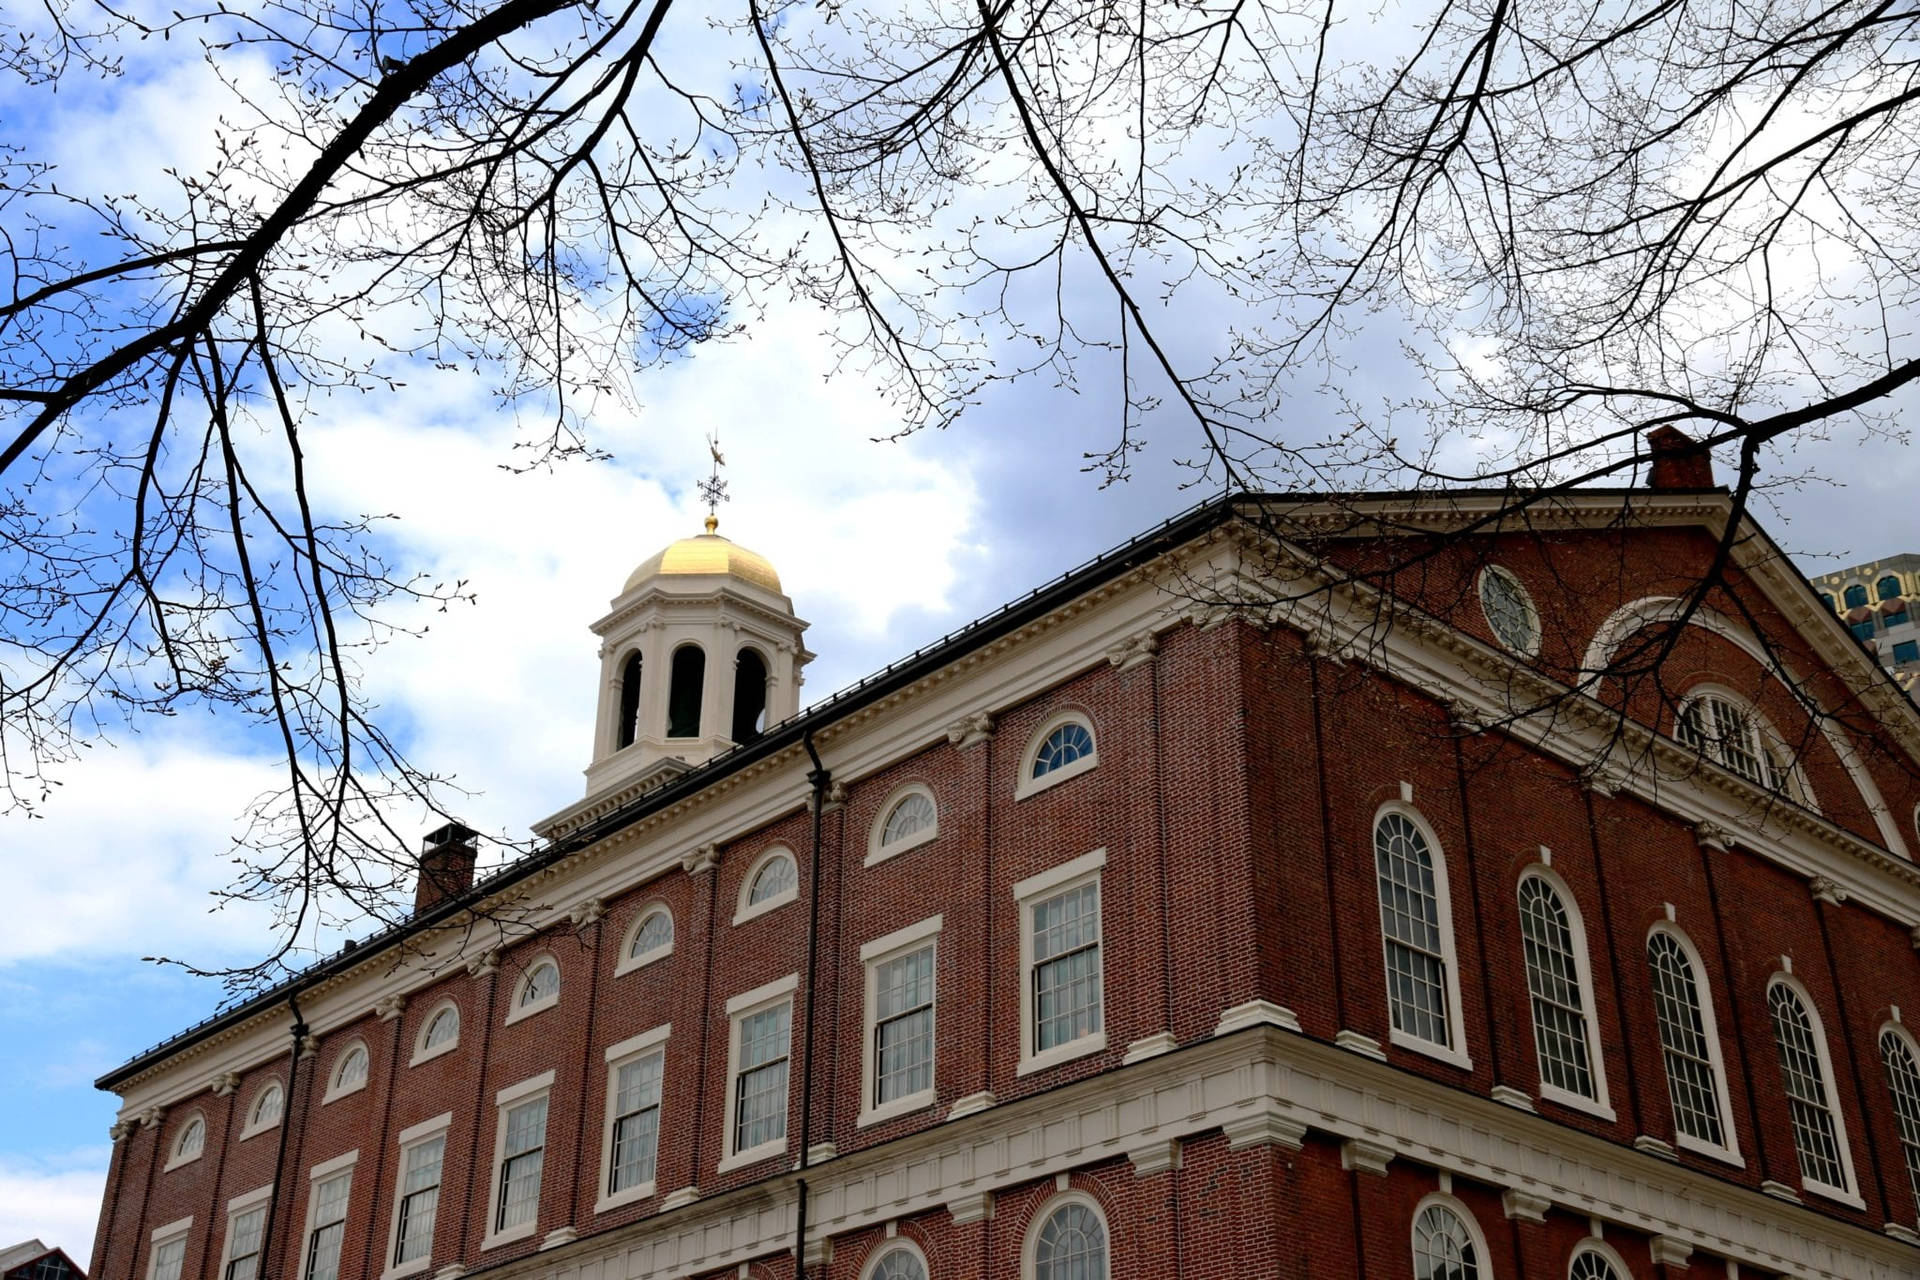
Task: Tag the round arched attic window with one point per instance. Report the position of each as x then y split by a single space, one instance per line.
650 939
349 1074
1509 611
539 989
191 1142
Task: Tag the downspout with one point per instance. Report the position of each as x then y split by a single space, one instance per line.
280 1153
819 779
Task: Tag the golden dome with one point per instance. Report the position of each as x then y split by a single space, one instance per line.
707 553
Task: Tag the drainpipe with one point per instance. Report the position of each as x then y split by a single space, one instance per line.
819 779
280 1153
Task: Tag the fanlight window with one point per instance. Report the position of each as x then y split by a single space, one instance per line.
1072 1245
1692 1083
1903 1081
443 1029
1070 742
1730 736
193 1140
655 934
542 983
353 1069
267 1107
777 877
1808 1095
899 1264
914 814
1443 1248
1591 1264
1410 922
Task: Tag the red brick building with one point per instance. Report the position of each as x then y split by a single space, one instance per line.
1291 892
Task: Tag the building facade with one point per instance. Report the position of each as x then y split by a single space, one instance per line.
1873 600
1299 890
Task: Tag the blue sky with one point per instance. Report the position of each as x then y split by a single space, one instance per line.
883 546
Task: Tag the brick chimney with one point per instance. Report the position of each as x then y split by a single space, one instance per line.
1679 461
446 866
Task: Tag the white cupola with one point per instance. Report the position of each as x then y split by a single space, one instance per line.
700 653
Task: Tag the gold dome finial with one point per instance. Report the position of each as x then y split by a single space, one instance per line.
713 522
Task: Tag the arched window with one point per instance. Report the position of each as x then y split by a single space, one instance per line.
265 1112
1509 611
539 987
1903 1082
650 939
1069 1243
439 1034
907 820
1689 1043
1733 737
1423 991
1063 748
771 882
1445 1246
1819 1135
191 1141
896 1260
349 1072
1855 596
1888 587
749 696
1561 993
629 726
685 690
1826 598
1597 1262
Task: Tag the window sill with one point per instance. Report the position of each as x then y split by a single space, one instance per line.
334 1095
417 1267
907 845
752 1155
1031 786
1725 1155
1068 1052
254 1131
898 1107
628 965
1427 1048
759 909
626 1195
1835 1194
438 1051
521 1012
1577 1102
524 1231
181 1162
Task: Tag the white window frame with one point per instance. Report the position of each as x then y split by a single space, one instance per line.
628 962
1597 1105
1085 869
336 1090
1030 1244
1850 1193
421 1051
1454 1054
518 1008
1532 647
240 1204
629 1051
1899 1032
410 1137
1605 1252
179 1229
901 942
1483 1257
504 1101
877 848
251 1127
323 1172
175 1158
743 911
740 1008
1793 778
900 1244
1025 784
1716 1058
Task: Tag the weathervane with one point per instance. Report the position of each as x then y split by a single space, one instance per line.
713 488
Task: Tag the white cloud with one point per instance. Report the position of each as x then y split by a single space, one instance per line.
56 1199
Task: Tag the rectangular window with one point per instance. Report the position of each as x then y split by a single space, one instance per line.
520 1167
1061 1003
168 1258
243 1244
636 1122
1864 630
1907 651
327 1226
897 1074
760 1084
419 1199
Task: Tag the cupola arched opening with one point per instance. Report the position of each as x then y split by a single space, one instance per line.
683 693
749 696
629 727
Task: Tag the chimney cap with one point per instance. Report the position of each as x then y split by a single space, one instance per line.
451 833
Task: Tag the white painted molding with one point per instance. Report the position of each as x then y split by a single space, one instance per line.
1355 1042
1653 1146
1264 1125
976 1207
1359 1155
1158 1156
972 1104
1150 1047
1256 1013
1507 1095
1671 1251
1525 1206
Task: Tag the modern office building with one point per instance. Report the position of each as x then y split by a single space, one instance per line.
1874 601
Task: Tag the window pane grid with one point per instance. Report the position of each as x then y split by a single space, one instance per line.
903 1026
1592 1266
520 1170
1072 1246
1683 1040
1442 1249
1813 1129
901 1264
911 816
776 878
1728 736
636 1125
329 1227
419 1199
243 1248
760 1092
1066 971
1070 742
1903 1080
444 1027
168 1258
1553 981
1410 921
656 932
